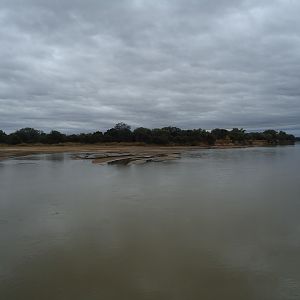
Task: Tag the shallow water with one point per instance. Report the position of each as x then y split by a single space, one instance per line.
216 224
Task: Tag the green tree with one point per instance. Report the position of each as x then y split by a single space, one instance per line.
14 139
97 137
270 135
142 134
55 137
160 136
3 137
219 134
120 133
122 126
29 135
237 135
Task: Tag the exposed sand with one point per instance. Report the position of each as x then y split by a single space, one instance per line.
98 153
107 153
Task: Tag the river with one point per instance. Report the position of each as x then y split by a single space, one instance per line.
215 224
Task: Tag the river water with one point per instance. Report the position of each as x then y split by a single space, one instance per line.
215 224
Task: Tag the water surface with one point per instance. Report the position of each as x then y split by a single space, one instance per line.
216 224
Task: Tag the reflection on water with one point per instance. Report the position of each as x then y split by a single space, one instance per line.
216 224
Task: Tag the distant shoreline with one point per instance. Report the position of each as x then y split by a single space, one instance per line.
9 151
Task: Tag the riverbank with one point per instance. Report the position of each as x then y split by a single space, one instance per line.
105 153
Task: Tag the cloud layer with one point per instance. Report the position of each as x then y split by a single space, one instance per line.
76 65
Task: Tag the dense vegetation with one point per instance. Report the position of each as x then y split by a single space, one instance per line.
122 132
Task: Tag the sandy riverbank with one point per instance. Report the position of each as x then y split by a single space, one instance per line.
105 152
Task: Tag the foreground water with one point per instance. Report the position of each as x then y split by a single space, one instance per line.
216 224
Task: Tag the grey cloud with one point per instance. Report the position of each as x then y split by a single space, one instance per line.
84 65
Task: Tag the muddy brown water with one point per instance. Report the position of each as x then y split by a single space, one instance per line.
215 224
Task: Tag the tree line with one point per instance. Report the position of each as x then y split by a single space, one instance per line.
122 132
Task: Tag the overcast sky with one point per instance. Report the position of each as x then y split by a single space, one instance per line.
82 65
